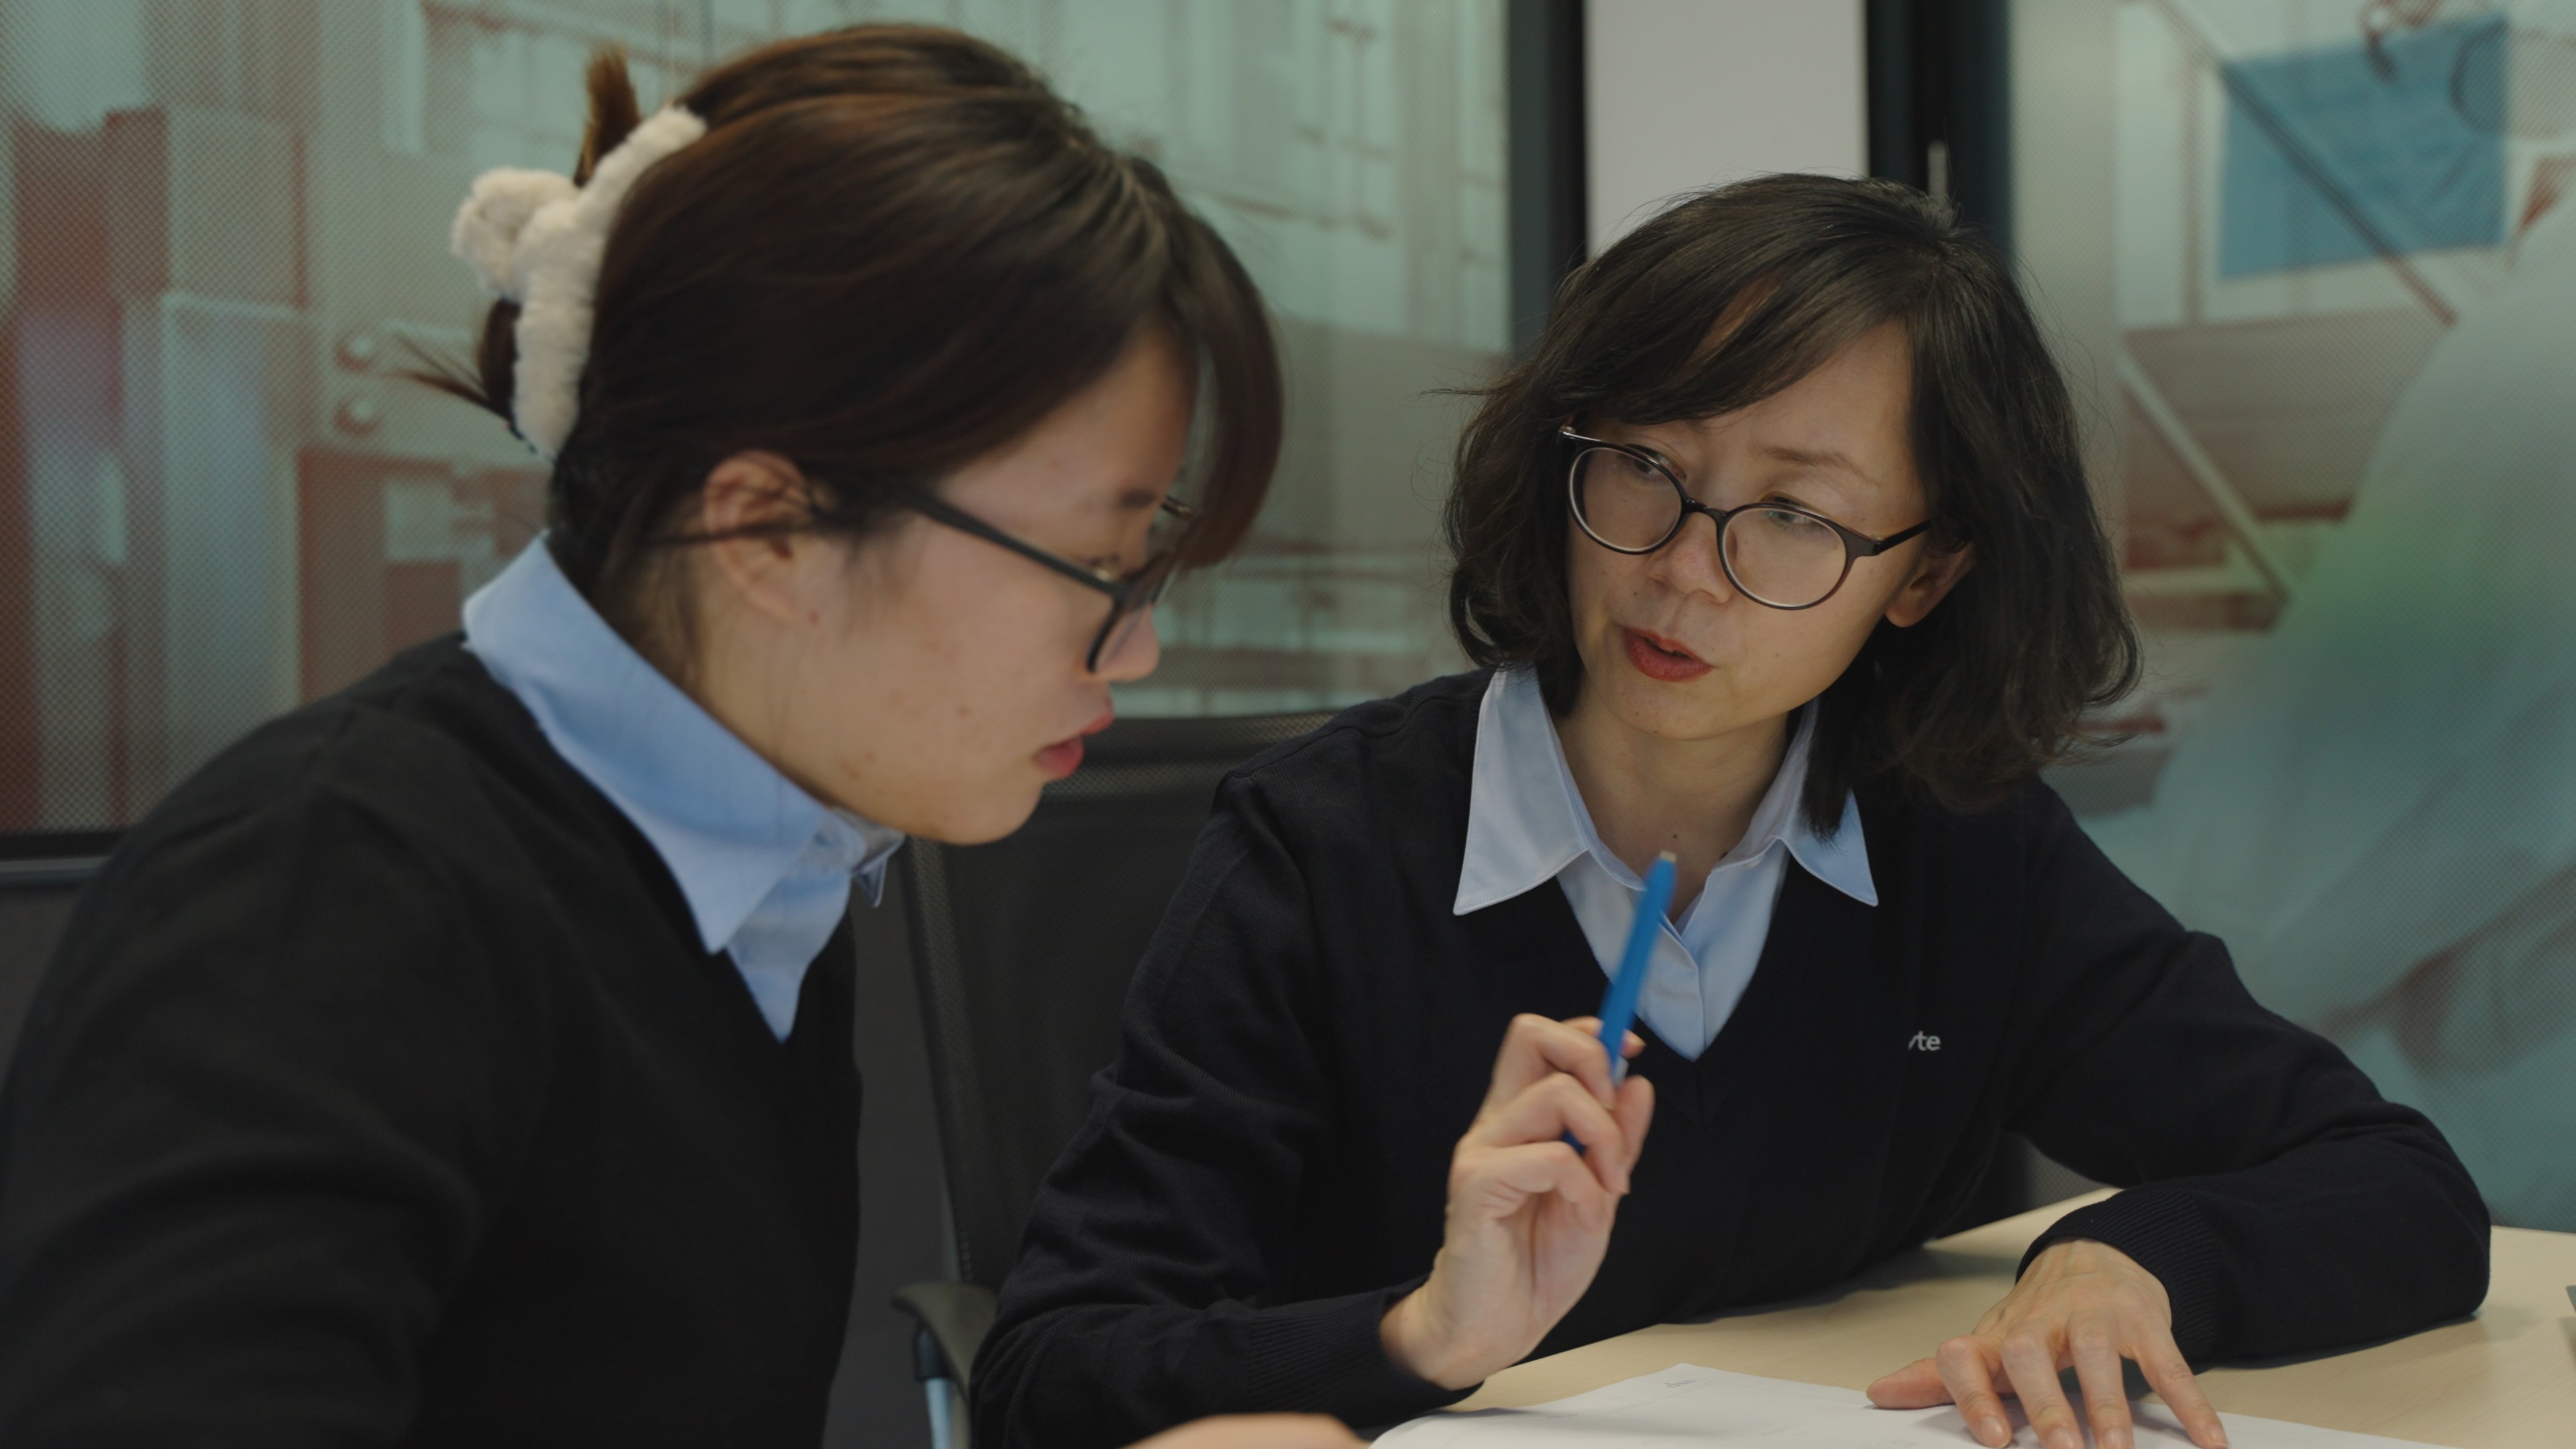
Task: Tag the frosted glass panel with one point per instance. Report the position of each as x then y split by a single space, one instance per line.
2316 264
226 228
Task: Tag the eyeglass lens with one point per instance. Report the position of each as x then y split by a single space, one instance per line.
1777 556
1128 615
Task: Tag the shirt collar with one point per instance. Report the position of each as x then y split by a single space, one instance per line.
1526 820
728 825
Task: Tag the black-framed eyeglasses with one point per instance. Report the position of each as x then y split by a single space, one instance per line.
1776 554
1132 596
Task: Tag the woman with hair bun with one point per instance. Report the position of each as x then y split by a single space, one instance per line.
465 1058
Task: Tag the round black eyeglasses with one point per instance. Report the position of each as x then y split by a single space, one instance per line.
1132 596
1776 554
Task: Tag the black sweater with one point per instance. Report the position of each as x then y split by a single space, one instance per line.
1263 1170
380 1093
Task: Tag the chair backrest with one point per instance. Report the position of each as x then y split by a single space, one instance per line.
40 878
1024 948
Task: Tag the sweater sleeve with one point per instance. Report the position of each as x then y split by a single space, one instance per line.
2283 1203
1147 1291
261 1101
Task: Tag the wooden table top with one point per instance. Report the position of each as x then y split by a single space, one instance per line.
2505 1379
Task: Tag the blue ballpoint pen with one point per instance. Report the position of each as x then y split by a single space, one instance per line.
1619 1004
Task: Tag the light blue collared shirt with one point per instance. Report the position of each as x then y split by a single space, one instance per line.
765 867
1527 824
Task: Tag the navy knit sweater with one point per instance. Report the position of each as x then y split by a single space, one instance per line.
381 1093
1263 1170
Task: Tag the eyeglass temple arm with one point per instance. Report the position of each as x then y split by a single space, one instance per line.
1877 546
965 522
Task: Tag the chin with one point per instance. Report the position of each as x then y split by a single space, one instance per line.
1683 710
982 817
1662 709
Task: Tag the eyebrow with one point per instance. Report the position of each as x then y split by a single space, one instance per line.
1827 458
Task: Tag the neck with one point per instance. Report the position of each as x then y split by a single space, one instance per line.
1648 794
743 674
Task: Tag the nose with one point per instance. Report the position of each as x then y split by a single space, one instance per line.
1136 652
1690 561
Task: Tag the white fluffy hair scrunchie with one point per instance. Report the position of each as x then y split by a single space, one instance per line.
536 239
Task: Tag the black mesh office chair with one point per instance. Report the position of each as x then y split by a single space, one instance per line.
40 877
1024 948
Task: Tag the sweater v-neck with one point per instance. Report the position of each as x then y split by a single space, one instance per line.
1541 962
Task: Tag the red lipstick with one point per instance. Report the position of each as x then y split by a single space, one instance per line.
1662 659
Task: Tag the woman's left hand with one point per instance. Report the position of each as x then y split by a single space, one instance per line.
1257 1431
2080 1303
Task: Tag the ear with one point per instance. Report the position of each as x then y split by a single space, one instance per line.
1933 579
753 510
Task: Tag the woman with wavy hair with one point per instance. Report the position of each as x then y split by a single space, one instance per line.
465 1058
1778 556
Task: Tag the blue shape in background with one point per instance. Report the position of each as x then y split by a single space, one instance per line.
2395 148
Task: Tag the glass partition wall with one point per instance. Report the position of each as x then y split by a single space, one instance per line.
2313 264
225 237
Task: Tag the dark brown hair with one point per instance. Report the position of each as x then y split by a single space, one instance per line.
894 250
1991 686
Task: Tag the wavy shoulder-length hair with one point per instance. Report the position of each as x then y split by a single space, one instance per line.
1992 686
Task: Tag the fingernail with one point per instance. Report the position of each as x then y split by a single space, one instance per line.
1994 1431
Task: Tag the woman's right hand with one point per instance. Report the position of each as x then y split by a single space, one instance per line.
1529 1217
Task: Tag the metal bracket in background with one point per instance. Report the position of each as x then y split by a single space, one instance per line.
2232 508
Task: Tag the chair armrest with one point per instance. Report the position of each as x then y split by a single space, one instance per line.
952 1319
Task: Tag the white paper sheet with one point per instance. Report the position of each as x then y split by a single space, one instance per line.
1687 1404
